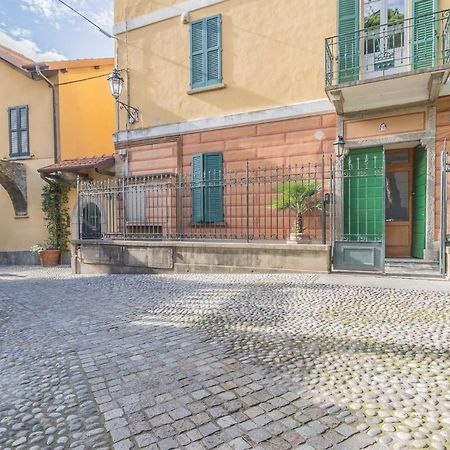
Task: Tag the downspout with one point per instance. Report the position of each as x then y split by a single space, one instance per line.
55 117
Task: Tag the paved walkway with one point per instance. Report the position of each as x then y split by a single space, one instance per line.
227 361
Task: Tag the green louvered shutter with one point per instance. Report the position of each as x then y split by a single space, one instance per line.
348 40
213 193
424 34
213 50
197 54
18 131
206 52
197 187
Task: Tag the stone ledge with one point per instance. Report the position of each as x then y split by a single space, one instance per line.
157 257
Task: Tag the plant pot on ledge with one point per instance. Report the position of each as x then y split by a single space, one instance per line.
49 258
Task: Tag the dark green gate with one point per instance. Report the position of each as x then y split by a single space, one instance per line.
360 243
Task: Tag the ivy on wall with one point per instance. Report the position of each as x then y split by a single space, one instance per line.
55 197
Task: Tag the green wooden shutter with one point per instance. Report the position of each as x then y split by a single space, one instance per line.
197 187
213 193
197 54
424 40
14 126
18 131
419 202
23 120
213 50
364 195
206 52
348 40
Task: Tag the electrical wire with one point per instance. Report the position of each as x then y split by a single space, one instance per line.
82 79
87 19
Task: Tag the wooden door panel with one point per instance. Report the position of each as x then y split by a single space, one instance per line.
399 183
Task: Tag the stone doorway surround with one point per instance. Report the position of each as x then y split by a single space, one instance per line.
425 138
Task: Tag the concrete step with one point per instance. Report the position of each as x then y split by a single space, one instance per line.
412 268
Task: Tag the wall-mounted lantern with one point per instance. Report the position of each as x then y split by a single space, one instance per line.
339 146
115 81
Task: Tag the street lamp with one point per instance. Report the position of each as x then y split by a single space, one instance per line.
339 146
115 81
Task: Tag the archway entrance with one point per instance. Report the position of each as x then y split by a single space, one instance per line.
13 178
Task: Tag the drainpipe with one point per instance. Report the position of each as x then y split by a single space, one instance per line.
55 117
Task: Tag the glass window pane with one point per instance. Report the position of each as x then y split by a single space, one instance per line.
396 11
372 13
397 196
397 158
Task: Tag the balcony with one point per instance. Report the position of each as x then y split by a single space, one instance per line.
389 65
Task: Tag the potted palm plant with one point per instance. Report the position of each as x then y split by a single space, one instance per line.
299 197
54 206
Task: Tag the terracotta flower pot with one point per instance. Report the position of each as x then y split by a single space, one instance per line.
49 258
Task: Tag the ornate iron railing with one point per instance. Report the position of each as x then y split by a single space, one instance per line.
249 204
419 42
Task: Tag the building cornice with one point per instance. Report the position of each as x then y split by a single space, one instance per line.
297 110
163 14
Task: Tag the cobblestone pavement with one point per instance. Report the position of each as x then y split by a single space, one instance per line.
227 361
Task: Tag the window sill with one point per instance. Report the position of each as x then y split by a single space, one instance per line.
19 158
22 217
214 87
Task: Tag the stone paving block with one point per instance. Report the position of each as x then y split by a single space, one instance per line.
145 439
149 356
208 428
239 444
345 430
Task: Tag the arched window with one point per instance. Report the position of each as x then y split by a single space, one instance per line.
92 219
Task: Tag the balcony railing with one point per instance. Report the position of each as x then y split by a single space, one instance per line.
420 42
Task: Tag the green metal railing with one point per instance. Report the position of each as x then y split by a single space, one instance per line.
419 42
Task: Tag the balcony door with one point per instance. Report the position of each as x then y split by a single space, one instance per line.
384 38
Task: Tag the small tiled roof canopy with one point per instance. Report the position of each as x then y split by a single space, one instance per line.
76 165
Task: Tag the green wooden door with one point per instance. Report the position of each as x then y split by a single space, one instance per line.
364 195
419 202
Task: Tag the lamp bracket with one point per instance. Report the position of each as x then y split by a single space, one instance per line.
133 113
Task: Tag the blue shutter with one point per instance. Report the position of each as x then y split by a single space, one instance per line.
14 146
206 52
424 34
23 119
348 40
213 50
197 54
197 186
213 193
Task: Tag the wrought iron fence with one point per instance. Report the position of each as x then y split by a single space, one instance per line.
249 204
422 41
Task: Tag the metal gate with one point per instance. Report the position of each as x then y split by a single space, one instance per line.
445 168
359 206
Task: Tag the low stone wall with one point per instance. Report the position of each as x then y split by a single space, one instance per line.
27 258
182 257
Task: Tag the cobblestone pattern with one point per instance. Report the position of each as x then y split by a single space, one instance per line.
229 361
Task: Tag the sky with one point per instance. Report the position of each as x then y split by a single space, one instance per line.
45 30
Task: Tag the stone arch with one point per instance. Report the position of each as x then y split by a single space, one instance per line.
13 178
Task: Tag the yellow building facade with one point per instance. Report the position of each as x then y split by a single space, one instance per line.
275 83
82 109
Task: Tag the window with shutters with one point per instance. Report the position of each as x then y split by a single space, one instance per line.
18 131
207 188
206 52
